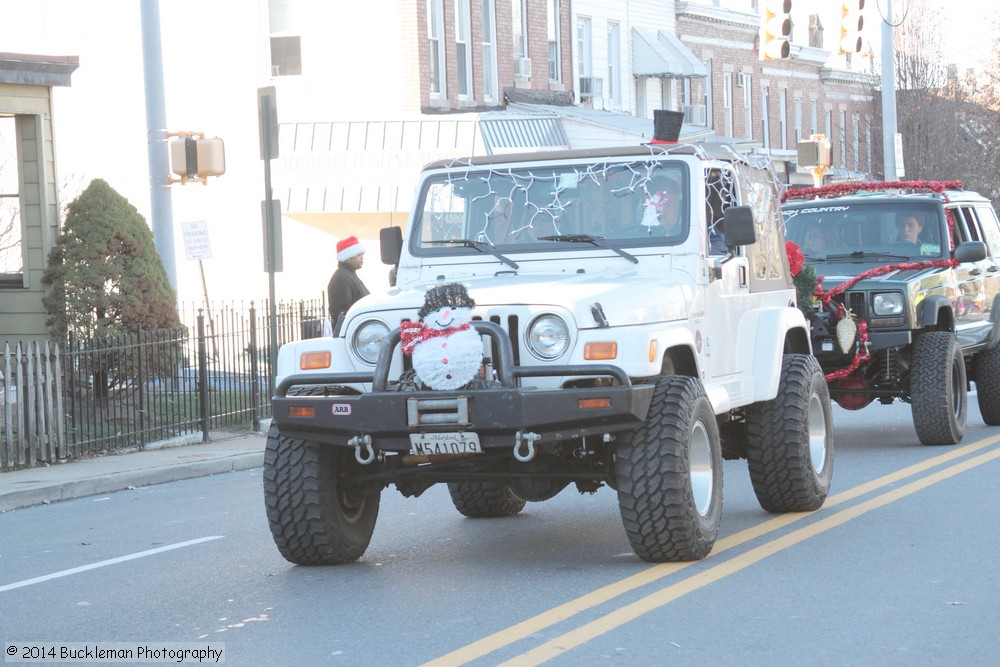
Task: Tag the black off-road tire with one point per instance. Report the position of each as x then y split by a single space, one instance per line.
315 517
669 475
484 500
987 368
790 440
939 398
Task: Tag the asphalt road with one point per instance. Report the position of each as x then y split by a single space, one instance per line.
898 568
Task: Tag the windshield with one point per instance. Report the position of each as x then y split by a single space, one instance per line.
631 204
826 230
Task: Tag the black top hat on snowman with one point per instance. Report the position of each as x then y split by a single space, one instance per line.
667 126
452 295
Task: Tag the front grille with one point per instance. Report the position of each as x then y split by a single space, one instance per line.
509 322
858 303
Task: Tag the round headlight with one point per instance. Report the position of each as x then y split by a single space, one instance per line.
548 337
368 340
890 303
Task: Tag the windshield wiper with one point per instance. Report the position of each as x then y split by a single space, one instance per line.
593 240
478 245
861 254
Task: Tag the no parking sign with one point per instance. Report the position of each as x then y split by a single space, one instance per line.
196 245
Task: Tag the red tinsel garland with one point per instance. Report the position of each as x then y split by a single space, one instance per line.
859 358
826 295
841 189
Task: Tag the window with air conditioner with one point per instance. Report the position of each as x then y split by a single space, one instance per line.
695 114
591 86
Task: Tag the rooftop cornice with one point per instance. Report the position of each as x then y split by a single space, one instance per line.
21 68
711 14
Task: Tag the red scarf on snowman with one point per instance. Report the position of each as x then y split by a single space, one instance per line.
412 333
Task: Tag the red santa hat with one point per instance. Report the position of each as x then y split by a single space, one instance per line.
349 247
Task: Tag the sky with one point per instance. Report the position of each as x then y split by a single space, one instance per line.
211 77
210 86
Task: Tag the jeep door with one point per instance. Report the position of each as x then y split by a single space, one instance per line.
750 281
976 283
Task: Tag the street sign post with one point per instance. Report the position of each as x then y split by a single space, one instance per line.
267 116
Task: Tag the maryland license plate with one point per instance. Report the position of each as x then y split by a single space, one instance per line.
429 444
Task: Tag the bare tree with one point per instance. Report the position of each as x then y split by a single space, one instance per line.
10 216
980 93
10 236
948 121
10 226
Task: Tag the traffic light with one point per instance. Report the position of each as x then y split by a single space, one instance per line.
851 23
775 28
197 158
814 154
814 151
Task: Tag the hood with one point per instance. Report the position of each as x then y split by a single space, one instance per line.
835 275
625 296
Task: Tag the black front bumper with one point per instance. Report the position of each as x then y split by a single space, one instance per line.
495 414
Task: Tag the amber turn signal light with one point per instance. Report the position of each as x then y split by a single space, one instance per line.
593 403
310 361
600 351
301 411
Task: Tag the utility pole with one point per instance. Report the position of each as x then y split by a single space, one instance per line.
888 97
156 146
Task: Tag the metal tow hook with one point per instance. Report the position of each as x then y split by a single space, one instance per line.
364 441
528 440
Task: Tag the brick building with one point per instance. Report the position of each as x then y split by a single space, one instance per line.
369 92
776 103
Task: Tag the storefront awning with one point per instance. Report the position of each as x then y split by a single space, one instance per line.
661 54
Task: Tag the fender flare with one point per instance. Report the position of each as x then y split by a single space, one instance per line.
774 327
929 312
995 321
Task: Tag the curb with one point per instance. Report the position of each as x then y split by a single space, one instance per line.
120 481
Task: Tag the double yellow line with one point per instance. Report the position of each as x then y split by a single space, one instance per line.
629 612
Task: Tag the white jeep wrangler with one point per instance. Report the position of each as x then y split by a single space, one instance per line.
621 341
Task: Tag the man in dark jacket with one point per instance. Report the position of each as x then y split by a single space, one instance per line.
345 287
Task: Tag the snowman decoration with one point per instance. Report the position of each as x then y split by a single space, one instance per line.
447 352
652 209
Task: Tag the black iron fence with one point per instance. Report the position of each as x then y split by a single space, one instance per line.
92 396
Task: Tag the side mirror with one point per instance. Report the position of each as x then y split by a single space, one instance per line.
391 241
741 229
970 251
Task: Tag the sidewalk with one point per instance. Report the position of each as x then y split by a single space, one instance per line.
115 472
